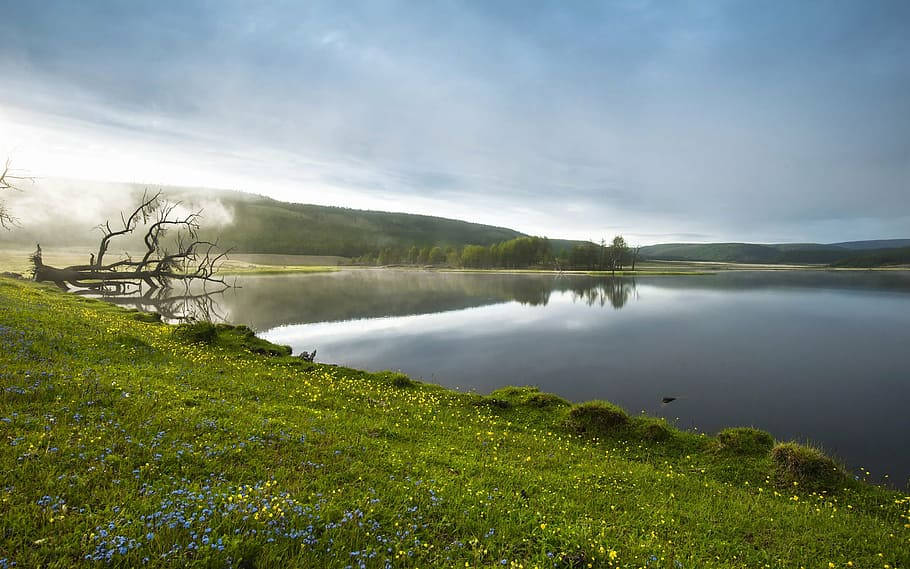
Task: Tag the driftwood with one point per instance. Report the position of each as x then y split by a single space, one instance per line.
192 260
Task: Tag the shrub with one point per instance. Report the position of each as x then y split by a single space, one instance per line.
745 440
805 466
197 332
596 417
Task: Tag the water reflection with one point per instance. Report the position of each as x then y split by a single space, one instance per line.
173 306
267 302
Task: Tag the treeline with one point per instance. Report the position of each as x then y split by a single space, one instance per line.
518 253
615 256
877 258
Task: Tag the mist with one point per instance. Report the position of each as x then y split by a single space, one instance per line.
67 213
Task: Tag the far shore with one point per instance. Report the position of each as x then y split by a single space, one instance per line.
250 264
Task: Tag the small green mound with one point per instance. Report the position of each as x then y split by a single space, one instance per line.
745 440
197 332
528 395
491 402
651 429
243 338
596 417
231 337
798 465
515 392
543 400
148 317
396 378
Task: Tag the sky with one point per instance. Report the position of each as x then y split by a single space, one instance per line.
778 121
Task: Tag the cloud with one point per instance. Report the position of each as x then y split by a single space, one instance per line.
731 120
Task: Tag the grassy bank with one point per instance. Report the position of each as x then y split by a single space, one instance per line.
124 441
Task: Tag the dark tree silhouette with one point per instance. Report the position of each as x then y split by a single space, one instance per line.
191 260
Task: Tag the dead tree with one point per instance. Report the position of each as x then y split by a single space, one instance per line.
9 181
192 259
634 254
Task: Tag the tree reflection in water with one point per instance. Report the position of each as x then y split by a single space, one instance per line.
172 308
263 302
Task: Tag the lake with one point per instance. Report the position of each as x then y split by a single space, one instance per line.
807 355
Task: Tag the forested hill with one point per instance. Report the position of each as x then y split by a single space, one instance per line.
854 253
264 225
244 222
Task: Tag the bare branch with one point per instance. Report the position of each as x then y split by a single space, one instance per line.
147 206
10 181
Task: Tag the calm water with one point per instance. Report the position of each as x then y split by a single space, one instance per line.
811 356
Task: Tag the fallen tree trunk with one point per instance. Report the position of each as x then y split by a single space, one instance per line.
193 260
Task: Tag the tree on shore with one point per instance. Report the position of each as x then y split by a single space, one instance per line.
436 256
189 260
9 181
618 253
634 253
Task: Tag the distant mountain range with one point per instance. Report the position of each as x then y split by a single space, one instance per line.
850 253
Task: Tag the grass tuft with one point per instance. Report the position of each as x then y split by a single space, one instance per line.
596 417
148 317
491 402
515 392
799 465
744 440
651 428
544 400
197 333
530 396
397 379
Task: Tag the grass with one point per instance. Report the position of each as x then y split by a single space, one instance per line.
125 442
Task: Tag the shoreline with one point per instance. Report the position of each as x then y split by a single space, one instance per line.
130 423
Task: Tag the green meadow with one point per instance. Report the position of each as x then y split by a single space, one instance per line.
127 442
